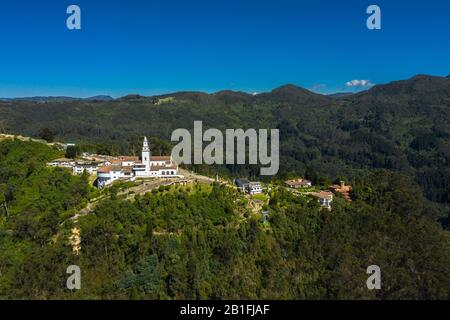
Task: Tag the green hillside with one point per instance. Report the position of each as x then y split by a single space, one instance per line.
204 242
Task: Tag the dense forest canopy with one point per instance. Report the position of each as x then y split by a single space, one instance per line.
203 242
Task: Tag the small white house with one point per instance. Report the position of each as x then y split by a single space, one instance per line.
254 188
62 163
298 183
325 198
81 167
248 187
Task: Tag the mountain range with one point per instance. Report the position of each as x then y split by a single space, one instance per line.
58 99
402 126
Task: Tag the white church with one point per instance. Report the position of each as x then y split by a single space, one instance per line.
132 167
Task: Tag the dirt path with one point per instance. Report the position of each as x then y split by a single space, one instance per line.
75 240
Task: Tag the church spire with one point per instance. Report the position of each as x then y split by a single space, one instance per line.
145 147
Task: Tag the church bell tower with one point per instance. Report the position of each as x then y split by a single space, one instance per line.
146 155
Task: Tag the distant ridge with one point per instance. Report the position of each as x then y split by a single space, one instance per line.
290 92
293 94
132 97
422 86
340 95
100 98
43 99
291 89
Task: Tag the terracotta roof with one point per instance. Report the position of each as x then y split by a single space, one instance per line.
339 188
298 182
105 169
128 158
108 169
344 190
86 164
158 168
322 194
162 158
102 156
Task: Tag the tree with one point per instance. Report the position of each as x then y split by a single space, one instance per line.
72 152
149 230
311 174
47 134
3 203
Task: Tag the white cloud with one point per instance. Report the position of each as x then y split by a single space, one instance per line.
359 83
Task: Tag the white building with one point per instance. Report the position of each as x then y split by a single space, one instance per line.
89 167
254 188
62 163
249 187
298 183
77 167
132 167
325 198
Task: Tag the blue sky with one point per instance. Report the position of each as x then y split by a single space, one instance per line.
153 47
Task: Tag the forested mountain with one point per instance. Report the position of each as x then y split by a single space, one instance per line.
403 126
58 99
204 242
